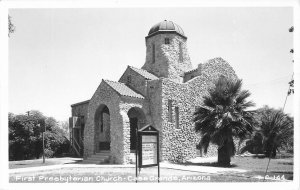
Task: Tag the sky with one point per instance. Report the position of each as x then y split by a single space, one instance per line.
58 57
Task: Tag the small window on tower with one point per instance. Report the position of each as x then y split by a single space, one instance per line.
180 52
177 117
167 41
101 128
153 53
128 79
170 111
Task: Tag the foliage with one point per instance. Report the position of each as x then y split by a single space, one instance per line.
291 87
25 136
65 128
275 131
223 116
11 26
291 83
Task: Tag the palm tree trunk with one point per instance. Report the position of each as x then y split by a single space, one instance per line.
224 155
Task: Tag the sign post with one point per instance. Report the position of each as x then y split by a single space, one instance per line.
148 148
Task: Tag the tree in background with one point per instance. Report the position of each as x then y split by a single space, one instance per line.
291 83
65 128
275 131
11 26
25 136
223 116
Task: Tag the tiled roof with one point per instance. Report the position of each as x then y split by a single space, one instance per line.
122 89
144 73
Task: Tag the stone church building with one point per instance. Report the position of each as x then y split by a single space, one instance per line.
164 93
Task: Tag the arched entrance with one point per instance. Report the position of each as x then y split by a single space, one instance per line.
137 120
102 128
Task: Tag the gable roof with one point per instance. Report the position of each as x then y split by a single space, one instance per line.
122 89
80 103
144 73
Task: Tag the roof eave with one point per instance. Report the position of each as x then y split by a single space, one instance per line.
165 31
80 103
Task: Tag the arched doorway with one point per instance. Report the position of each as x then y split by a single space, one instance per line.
102 128
137 120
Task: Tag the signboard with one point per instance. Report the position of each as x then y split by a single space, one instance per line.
149 149
147 153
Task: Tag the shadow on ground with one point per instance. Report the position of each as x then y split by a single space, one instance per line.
209 164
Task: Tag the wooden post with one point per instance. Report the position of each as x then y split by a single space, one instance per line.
158 169
136 152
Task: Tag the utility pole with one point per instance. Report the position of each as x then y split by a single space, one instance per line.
43 148
28 131
43 135
42 125
290 91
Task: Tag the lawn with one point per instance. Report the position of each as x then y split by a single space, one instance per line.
282 168
39 162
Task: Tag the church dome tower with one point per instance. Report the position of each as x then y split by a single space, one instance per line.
166 51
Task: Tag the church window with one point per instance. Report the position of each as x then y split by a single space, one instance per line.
177 117
101 128
167 41
153 53
129 79
180 52
170 110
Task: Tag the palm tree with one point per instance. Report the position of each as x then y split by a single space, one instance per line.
276 130
223 116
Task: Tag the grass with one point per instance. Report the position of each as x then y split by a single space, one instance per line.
282 168
257 166
39 162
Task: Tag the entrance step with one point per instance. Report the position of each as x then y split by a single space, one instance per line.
98 158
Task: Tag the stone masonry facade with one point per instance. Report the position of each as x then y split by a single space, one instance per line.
164 93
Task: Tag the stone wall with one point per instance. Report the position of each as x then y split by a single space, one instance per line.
105 95
80 109
154 97
167 63
179 143
126 104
